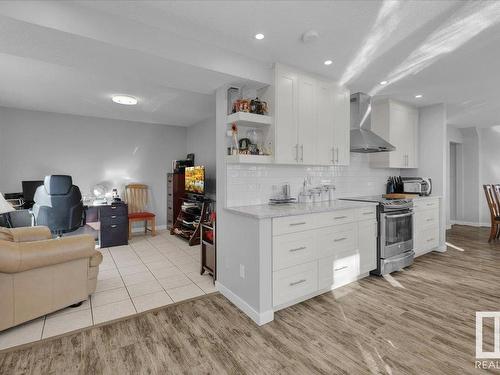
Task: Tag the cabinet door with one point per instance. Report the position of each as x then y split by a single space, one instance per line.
325 131
412 158
286 145
307 127
399 134
341 128
367 243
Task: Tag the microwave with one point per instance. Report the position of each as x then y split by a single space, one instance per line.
417 185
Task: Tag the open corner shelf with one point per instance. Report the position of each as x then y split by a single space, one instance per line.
249 159
249 119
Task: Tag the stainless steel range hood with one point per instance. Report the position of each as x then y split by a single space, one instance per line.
363 140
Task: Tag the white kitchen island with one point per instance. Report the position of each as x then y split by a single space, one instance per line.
276 256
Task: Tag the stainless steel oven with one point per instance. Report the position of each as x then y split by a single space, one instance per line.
396 232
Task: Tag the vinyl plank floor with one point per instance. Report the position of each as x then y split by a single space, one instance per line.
424 323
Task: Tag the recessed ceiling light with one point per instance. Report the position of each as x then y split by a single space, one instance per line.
328 62
124 99
259 36
384 82
418 96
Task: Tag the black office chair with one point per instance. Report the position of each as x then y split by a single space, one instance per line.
58 205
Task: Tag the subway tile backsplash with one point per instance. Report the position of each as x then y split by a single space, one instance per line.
253 184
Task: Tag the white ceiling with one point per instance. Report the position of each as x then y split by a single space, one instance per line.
72 56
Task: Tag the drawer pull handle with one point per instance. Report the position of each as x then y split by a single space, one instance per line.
367 213
294 224
113 207
113 217
298 282
430 204
298 249
340 239
430 239
430 219
340 268
113 226
340 217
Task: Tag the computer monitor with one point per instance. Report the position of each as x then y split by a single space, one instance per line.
29 189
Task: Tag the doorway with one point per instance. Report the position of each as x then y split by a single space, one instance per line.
456 190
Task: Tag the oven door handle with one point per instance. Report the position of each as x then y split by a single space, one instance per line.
398 216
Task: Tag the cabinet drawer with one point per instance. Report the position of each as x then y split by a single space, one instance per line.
294 282
114 219
333 240
326 219
425 219
114 235
292 249
426 239
292 224
338 270
425 204
366 213
114 210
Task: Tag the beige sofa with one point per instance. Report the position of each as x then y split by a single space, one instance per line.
39 275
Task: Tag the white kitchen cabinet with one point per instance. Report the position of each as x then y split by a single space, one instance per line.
342 244
286 116
426 225
341 125
325 153
397 123
307 124
311 120
367 245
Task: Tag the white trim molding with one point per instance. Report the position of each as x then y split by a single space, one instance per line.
259 318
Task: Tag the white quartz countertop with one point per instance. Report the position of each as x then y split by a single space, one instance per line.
266 211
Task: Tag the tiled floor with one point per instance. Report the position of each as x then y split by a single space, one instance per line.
148 273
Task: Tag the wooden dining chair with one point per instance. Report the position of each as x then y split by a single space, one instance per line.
136 196
494 206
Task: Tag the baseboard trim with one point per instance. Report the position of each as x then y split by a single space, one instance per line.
259 318
469 223
141 230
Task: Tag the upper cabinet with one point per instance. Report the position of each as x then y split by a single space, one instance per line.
311 120
397 123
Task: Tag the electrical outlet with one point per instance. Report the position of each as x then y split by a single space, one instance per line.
242 271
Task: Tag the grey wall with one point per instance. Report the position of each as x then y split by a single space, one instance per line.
201 142
34 144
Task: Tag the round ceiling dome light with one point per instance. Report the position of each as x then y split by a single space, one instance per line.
328 62
124 99
259 36
310 36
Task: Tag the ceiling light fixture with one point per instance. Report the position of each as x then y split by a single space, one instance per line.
124 99
418 96
384 82
328 62
259 36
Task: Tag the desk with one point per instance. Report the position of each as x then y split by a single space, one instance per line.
111 222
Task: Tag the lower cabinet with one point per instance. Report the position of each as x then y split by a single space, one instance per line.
426 225
328 251
368 231
295 282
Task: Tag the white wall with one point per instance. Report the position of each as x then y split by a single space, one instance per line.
253 184
489 171
201 142
454 136
470 199
92 150
432 155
